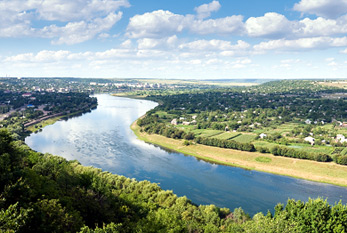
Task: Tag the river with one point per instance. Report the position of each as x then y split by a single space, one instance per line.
103 138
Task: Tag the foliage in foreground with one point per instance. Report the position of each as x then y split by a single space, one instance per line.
45 193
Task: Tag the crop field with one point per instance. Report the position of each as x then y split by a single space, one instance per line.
226 135
245 138
283 128
315 149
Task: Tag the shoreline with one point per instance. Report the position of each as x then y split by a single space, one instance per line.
328 173
54 118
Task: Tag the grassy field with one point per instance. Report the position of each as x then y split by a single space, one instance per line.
282 129
305 169
226 135
245 138
206 132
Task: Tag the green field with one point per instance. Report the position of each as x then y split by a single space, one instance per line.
245 138
309 148
301 146
226 135
210 133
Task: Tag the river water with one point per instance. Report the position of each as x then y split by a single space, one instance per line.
103 138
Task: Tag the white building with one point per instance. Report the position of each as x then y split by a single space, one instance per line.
310 140
174 122
308 122
341 138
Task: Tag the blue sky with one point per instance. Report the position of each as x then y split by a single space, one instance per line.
197 39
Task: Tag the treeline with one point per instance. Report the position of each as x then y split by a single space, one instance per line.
45 193
222 143
295 153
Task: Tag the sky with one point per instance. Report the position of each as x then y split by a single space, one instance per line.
174 39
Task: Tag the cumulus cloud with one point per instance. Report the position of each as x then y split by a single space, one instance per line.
270 25
325 8
344 51
163 23
303 43
63 10
214 45
205 10
42 56
156 23
77 32
150 43
84 19
321 27
228 25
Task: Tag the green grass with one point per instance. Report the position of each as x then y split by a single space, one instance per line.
263 159
226 135
245 138
206 132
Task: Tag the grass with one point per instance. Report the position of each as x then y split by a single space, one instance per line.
263 159
245 138
206 132
305 169
226 135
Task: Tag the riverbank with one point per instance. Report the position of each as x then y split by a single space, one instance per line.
331 173
51 119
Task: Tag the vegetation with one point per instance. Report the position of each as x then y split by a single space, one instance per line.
298 119
45 193
298 168
263 159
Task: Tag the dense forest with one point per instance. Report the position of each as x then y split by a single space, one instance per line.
45 193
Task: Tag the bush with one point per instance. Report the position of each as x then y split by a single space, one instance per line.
342 160
321 157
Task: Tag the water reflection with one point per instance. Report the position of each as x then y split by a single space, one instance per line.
103 139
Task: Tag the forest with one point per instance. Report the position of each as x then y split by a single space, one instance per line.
46 193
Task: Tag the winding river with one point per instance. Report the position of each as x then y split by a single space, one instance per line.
103 138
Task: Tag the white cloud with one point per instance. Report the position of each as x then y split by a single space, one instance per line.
344 51
270 25
85 19
207 45
325 8
42 56
321 27
126 44
150 43
304 43
215 45
205 10
156 23
332 63
63 10
228 25
163 23
77 32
